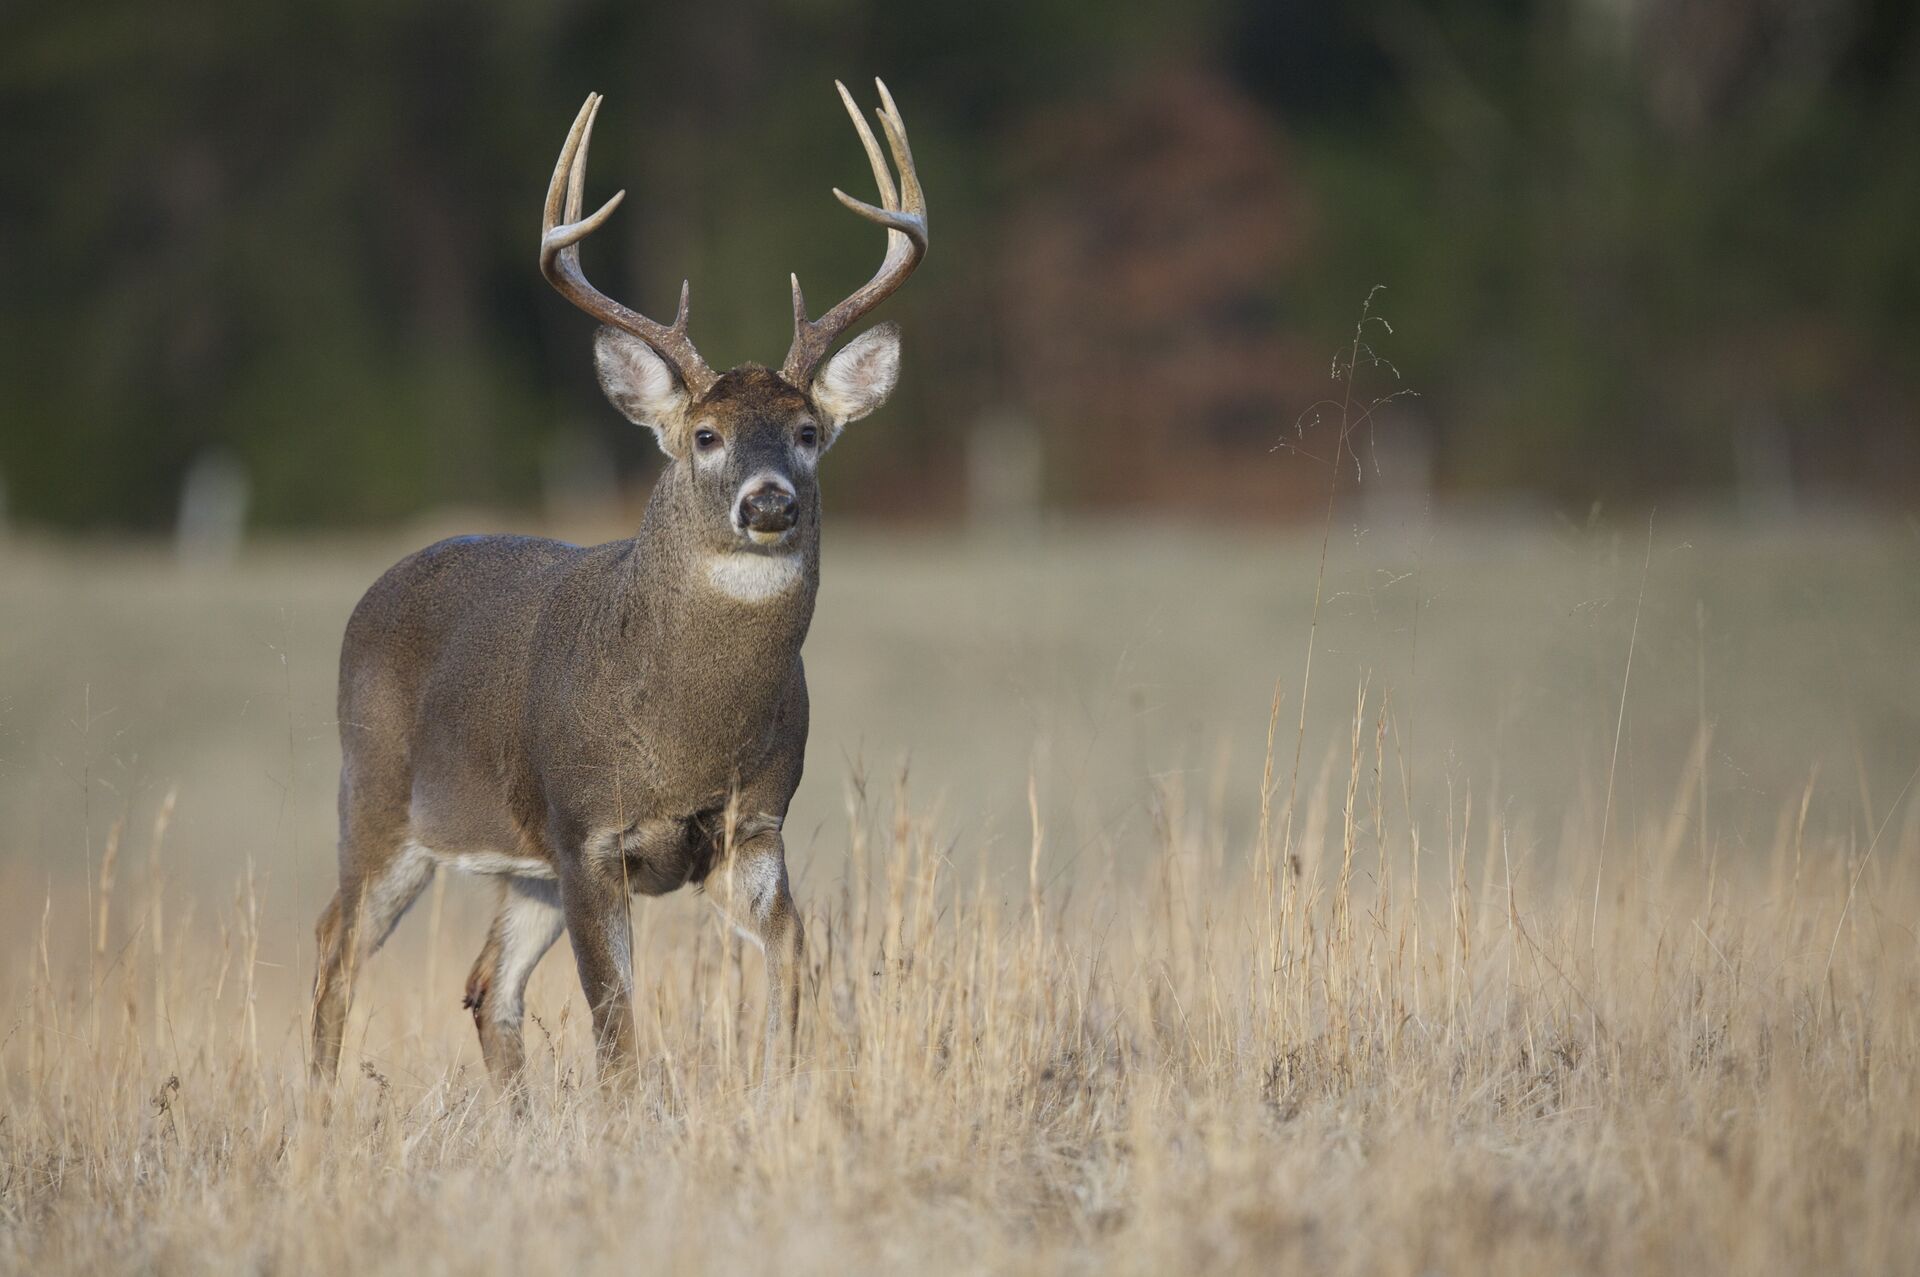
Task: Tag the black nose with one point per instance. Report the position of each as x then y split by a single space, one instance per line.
769 508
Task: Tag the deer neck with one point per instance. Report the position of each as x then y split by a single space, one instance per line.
720 609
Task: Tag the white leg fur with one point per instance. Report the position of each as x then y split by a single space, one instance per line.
752 887
530 921
385 900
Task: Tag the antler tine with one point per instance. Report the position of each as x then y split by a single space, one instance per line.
897 213
577 170
569 182
560 258
911 197
881 177
902 211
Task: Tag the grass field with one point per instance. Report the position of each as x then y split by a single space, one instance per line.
1561 918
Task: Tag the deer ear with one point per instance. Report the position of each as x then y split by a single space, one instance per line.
642 386
859 378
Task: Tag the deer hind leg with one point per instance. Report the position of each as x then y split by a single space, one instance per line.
329 987
355 923
527 923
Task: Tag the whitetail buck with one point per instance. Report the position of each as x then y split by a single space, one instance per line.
585 723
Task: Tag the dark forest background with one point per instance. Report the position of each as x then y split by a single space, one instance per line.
1631 251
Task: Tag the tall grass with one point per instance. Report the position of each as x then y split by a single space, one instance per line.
1356 1052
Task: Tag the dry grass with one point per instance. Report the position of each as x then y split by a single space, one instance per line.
1248 1057
1386 1027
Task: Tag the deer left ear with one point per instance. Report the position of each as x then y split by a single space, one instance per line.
859 378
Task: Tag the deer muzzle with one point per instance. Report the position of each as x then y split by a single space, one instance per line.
768 510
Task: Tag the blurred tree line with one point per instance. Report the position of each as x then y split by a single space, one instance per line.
1631 248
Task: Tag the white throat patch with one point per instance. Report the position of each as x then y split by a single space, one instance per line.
753 578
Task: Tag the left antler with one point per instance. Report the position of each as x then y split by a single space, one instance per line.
904 214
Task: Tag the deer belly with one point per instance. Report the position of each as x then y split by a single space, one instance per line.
471 827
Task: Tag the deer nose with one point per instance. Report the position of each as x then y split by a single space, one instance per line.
770 507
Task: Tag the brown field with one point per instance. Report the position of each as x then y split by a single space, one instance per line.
1569 926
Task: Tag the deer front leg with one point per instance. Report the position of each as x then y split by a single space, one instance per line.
594 899
759 903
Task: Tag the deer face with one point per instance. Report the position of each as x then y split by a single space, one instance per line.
751 444
749 439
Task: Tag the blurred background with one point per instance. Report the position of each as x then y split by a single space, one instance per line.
282 256
270 317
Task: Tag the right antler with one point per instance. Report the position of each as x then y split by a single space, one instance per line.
560 260
904 216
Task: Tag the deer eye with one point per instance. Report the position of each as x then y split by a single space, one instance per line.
809 435
706 440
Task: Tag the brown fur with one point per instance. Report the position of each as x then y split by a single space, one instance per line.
588 713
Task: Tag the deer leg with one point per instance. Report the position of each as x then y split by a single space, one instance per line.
330 991
529 920
358 920
594 901
761 906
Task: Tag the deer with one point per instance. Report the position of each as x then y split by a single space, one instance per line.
584 724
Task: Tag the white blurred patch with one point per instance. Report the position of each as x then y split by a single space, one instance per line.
213 510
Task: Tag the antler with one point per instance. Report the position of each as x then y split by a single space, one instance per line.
905 217
560 260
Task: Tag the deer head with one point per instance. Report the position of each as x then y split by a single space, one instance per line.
747 441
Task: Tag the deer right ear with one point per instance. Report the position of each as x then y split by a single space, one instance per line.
642 386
